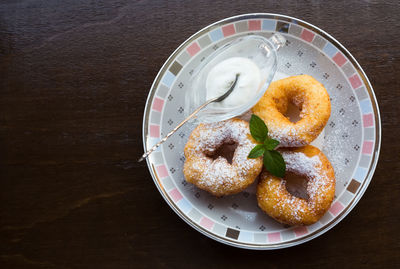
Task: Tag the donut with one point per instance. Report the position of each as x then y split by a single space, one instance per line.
217 175
275 200
309 96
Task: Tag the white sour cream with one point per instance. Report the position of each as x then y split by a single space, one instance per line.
221 76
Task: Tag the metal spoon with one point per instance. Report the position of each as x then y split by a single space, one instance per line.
213 100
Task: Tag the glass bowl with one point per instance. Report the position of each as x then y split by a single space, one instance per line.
262 51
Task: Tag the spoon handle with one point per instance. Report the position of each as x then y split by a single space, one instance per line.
176 129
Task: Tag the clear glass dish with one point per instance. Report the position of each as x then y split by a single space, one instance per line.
262 51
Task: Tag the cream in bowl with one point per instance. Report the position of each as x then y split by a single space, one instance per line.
254 58
221 76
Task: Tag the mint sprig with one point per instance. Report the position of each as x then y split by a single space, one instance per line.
258 129
273 160
256 152
274 163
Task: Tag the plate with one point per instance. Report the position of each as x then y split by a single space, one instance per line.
351 138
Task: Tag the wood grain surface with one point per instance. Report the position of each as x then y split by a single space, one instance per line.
74 77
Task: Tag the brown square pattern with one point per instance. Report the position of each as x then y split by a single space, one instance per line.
282 27
231 233
175 68
353 186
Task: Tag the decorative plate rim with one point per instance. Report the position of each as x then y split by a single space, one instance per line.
374 155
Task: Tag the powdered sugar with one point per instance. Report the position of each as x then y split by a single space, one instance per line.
311 167
218 173
288 135
295 210
299 163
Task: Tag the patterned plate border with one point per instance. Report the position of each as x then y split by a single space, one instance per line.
343 59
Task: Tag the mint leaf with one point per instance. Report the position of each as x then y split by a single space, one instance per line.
273 160
258 129
274 163
256 152
271 144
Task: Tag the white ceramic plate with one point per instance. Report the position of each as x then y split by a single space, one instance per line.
351 138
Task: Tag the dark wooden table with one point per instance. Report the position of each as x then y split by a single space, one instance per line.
74 77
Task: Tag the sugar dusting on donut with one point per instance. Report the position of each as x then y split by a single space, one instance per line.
280 204
288 136
218 174
304 92
213 136
299 163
